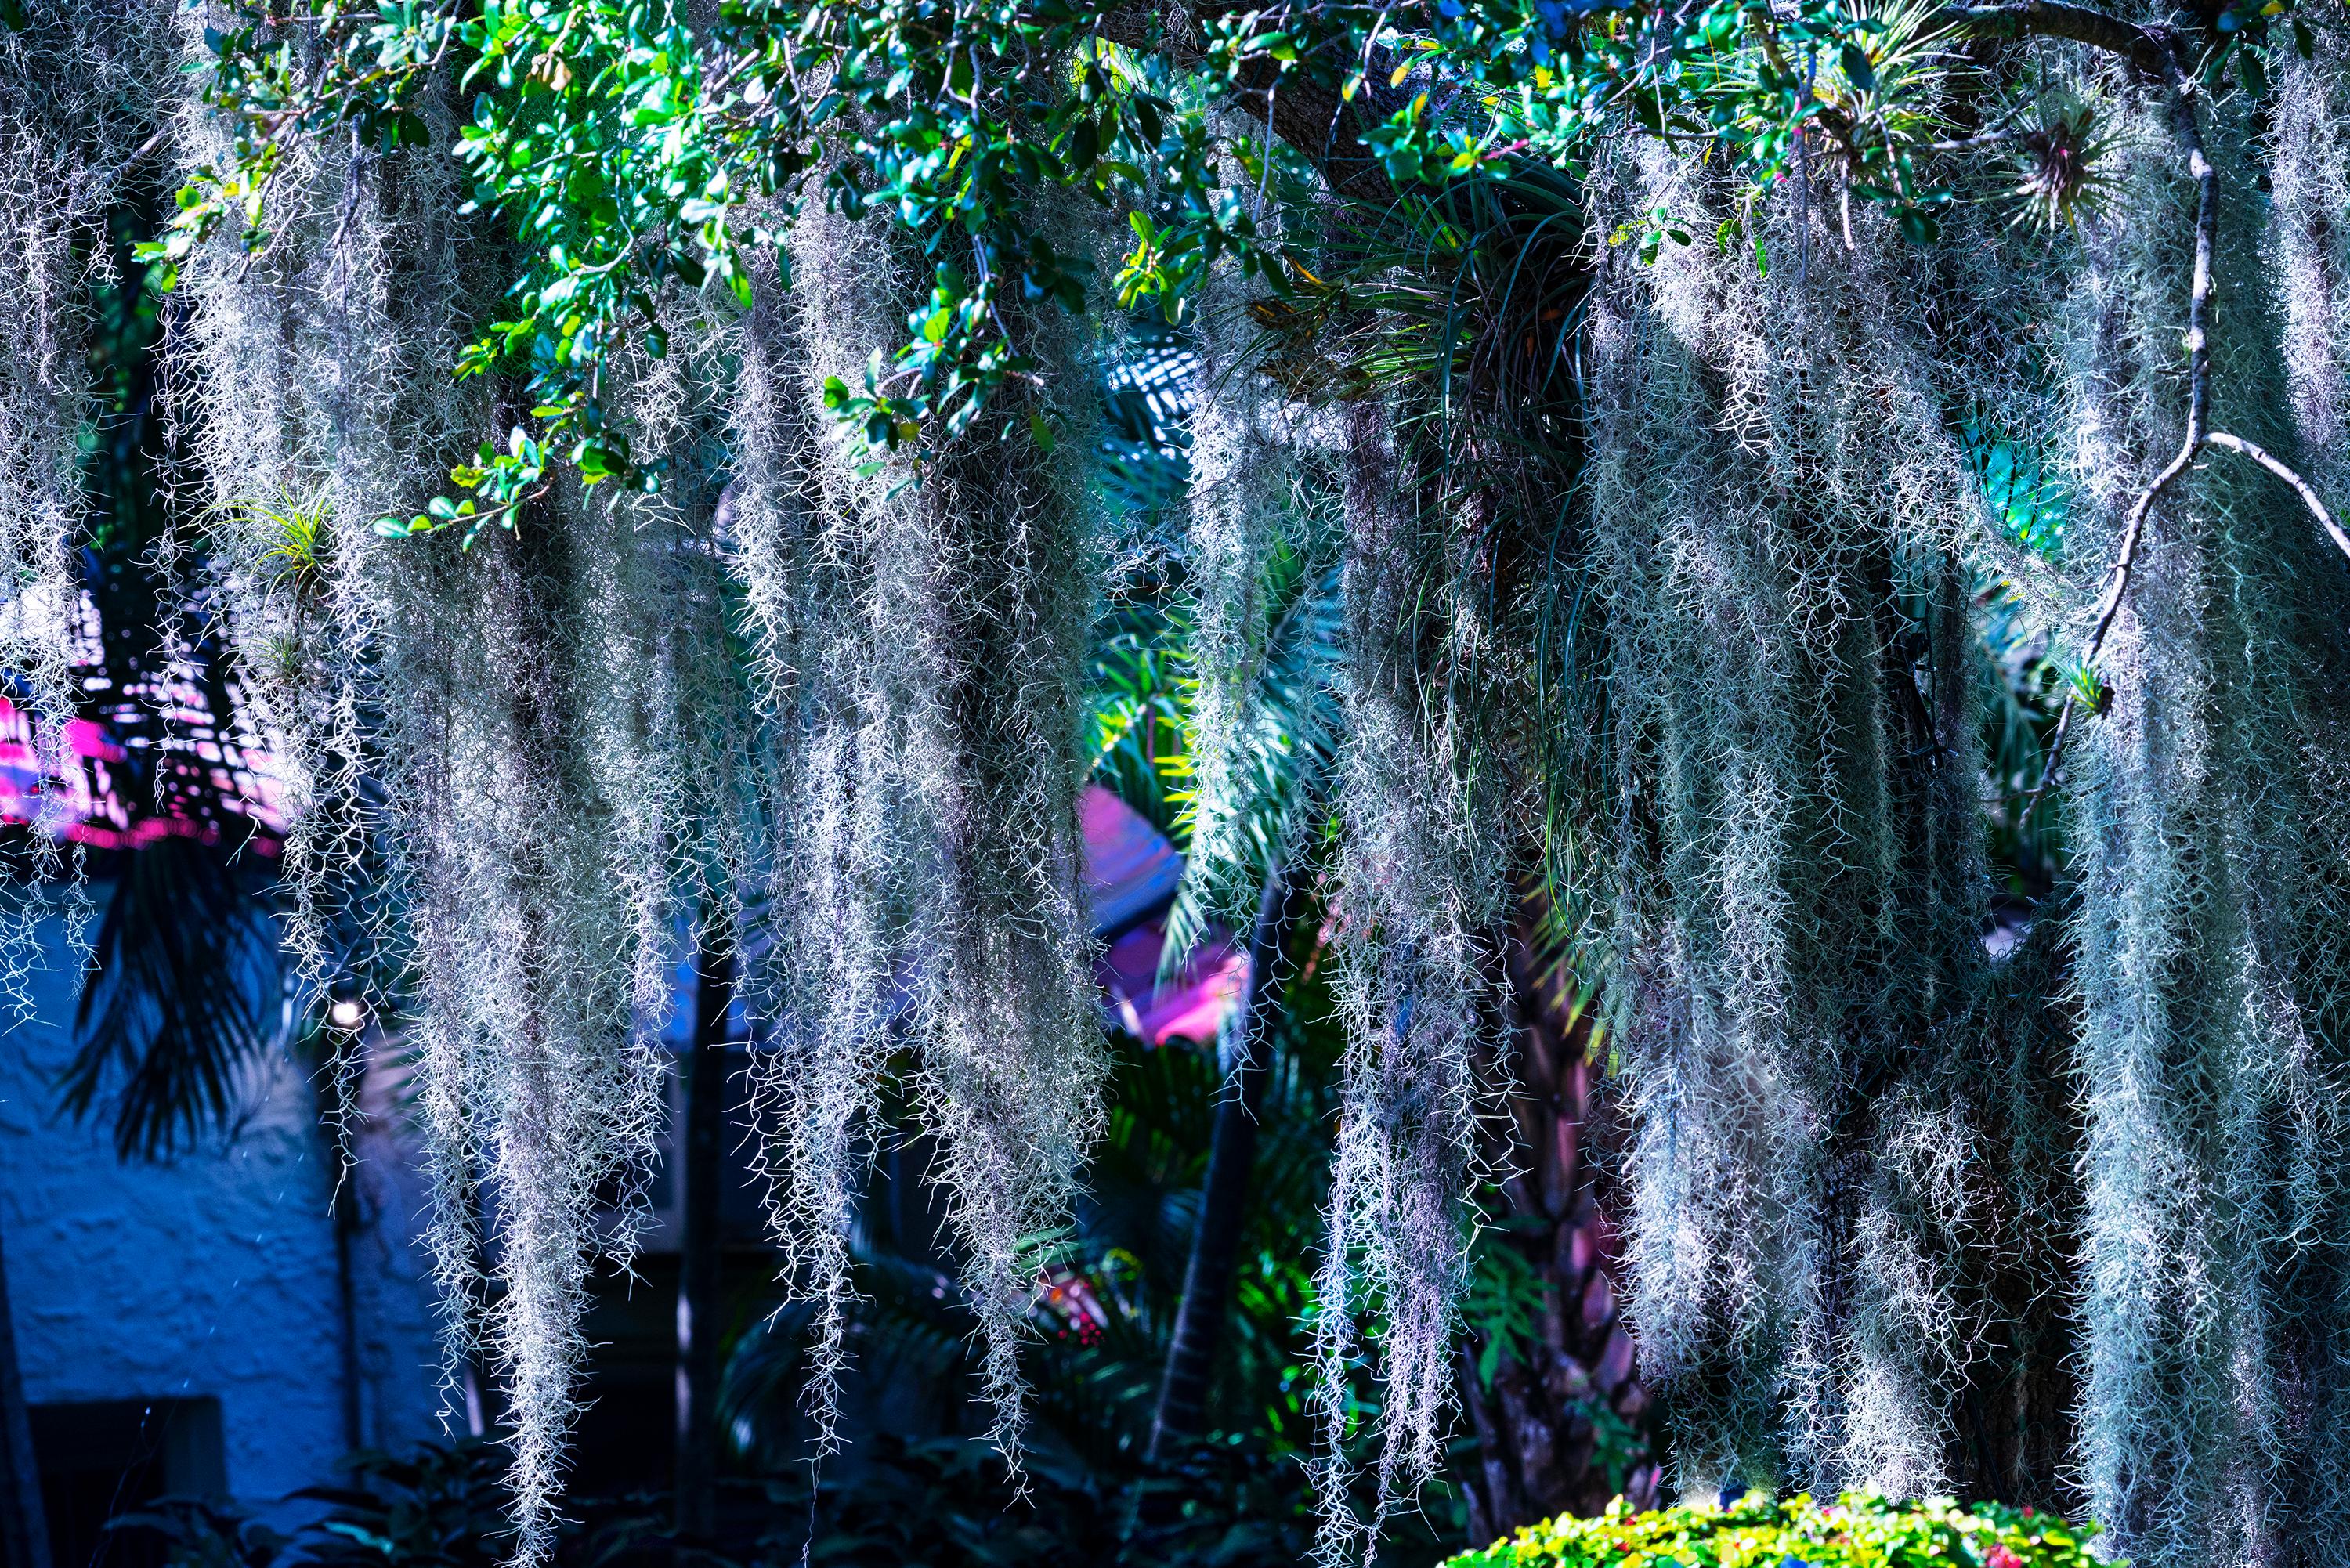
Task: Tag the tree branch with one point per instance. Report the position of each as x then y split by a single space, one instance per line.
2149 48
1328 130
2275 465
1311 117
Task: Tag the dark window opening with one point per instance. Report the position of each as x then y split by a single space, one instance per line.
103 1460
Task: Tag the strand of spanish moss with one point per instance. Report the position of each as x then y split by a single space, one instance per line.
310 381
297 391
2310 253
1420 898
76 107
1239 483
548 717
539 883
2209 812
587 789
931 815
1798 893
846 809
1012 1057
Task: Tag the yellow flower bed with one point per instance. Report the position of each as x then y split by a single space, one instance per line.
1859 1530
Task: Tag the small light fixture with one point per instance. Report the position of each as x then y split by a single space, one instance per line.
347 1015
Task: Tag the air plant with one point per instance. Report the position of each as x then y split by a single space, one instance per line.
297 559
2063 156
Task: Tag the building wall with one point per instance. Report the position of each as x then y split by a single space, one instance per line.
214 1275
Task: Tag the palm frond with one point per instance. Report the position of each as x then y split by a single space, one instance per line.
1135 726
1286 741
183 1000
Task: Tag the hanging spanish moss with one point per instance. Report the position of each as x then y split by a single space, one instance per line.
846 808
1420 904
1817 1046
2209 809
1776 507
1239 485
306 384
1668 572
537 734
76 110
928 634
2310 253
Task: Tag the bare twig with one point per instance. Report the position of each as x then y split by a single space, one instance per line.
2009 130
2048 768
142 150
2275 465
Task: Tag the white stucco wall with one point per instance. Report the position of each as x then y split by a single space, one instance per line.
215 1275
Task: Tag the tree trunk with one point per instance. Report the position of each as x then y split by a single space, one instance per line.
1563 1425
700 1153
1231 1150
23 1526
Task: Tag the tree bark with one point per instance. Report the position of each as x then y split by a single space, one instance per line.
1565 1423
24 1525
700 1153
1231 1151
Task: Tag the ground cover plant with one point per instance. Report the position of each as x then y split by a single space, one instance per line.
654 465
1859 1530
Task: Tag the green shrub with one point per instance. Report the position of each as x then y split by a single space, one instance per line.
1859 1530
